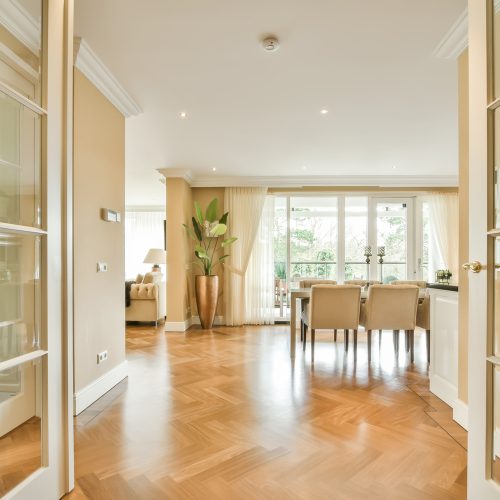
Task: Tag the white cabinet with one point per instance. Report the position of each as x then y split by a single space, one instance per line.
443 370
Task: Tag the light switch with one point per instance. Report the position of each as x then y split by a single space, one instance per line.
102 267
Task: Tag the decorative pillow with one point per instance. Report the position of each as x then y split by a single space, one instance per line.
148 278
139 278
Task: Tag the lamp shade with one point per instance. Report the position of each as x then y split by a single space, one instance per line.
156 256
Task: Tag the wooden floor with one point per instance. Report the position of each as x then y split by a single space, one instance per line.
20 454
223 414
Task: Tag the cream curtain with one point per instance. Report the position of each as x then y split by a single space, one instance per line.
245 206
443 221
259 278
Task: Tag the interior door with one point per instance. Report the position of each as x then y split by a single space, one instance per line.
34 448
484 232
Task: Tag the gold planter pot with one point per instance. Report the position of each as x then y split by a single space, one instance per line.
207 293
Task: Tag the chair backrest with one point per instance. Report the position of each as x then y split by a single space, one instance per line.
391 307
335 306
362 282
308 283
419 283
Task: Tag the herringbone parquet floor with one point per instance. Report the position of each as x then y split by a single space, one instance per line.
223 414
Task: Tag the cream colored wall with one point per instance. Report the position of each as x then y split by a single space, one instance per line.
463 214
204 196
99 182
179 267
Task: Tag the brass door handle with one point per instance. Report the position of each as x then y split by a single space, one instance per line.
473 266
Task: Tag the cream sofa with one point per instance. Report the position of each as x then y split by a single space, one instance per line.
147 300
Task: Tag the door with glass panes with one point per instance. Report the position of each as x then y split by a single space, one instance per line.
31 399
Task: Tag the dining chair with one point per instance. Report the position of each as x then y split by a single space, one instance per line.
423 312
332 307
391 307
308 283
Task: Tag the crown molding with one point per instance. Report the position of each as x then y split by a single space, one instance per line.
87 61
183 173
456 39
404 181
16 19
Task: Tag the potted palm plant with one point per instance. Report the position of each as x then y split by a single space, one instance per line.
208 234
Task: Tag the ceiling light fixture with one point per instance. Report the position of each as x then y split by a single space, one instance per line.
183 114
213 169
324 111
270 44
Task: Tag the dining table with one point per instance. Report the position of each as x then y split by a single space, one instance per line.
305 293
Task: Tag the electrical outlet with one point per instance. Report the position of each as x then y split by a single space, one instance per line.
101 357
102 267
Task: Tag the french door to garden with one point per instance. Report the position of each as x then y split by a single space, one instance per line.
326 236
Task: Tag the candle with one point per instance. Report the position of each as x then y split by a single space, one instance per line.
368 251
381 251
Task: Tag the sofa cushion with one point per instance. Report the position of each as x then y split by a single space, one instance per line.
139 278
143 291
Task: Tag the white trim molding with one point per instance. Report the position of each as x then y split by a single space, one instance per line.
178 326
92 392
16 19
367 181
183 173
456 39
87 61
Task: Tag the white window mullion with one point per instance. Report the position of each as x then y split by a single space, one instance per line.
341 239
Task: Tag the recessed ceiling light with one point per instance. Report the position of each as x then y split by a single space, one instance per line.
213 169
304 167
324 111
183 114
394 167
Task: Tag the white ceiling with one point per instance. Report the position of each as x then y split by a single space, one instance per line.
392 105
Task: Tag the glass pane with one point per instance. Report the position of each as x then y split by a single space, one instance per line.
496 148
20 423
19 163
356 237
19 294
496 55
313 237
391 240
496 298
496 424
280 256
20 64
424 265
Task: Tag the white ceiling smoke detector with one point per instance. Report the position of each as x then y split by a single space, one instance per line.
270 44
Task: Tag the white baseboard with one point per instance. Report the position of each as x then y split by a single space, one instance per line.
218 320
92 392
178 326
443 389
461 414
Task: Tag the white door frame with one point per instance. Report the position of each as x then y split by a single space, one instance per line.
480 440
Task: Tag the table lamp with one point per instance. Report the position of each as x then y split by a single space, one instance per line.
156 256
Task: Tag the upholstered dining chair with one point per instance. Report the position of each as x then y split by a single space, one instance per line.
308 283
423 312
332 307
391 307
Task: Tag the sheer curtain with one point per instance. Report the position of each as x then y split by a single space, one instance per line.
143 230
443 221
245 206
259 278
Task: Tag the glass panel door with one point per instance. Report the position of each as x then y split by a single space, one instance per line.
391 252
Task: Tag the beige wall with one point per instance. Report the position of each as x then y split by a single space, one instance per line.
99 182
179 257
463 214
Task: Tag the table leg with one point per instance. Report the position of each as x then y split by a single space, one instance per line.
293 317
